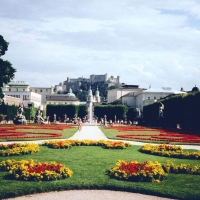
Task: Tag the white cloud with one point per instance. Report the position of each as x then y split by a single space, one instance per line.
144 42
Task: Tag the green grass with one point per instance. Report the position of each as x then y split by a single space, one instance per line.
90 166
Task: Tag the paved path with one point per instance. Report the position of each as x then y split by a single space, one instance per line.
89 195
89 132
94 133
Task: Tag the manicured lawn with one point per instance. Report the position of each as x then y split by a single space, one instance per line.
90 166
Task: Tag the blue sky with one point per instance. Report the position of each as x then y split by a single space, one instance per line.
145 42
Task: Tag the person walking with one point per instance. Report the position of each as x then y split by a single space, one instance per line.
79 125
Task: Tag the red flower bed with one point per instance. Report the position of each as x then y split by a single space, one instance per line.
26 135
14 127
163 137
166 135
7 132
130 128
38 168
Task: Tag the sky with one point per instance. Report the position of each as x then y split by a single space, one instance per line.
146 42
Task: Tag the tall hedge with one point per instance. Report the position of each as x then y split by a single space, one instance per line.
110 111
82 110
179 109
69 110
11 111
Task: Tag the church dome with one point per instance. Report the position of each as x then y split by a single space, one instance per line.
195 89
70 94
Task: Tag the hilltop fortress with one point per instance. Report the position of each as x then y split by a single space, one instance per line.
75 83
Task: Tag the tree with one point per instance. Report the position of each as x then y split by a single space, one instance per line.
6 69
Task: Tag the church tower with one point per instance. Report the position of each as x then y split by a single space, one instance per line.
97 97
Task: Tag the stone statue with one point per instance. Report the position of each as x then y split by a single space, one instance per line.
20 118
54 117
161 109
38 117
138 112
65 117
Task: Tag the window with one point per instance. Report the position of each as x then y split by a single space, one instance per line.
40 90
46 90
16 89
148 98
154 97
35 90
23 89
25 97
9 89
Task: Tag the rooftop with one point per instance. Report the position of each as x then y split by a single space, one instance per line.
61 98
163 90
18 83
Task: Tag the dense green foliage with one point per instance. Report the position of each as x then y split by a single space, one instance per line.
69 110
83 110
111 111
81 94
6 69
11 111
179 109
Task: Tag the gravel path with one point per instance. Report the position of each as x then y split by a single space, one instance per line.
89 195
94 133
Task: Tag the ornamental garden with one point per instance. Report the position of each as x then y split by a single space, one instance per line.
163 169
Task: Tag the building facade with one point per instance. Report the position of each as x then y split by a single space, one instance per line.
21 90
57 99
119 93
9 100
44 92
138 97
151 95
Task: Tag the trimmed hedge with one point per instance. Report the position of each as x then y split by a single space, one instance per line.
69 110
179 109
11 111
110 111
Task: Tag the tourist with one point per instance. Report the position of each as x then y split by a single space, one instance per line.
79 125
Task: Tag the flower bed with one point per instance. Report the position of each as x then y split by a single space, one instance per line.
11 131
169 151
35 171
136 171
170 167
18 149
65 144
129 128
161 135
17 135
164 137
50 127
